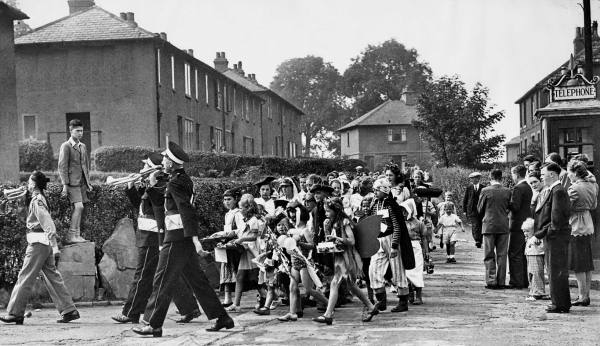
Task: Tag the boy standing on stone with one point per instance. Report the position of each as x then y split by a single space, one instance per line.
73 168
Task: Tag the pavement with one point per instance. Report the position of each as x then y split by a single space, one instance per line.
458 310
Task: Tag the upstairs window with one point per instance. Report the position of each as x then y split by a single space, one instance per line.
173 72
158 65
206 87
397 135
188 79
196 81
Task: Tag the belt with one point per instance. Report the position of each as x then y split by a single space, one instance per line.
171 212
35 229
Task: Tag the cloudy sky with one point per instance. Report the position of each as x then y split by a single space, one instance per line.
506 45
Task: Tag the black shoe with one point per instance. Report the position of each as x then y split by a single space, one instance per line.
12 319
224 322
147 330
581 302
300 313
262 311
478 245
553 309
402 305
125 319
189 317
370 315
68 317
322 319
226 305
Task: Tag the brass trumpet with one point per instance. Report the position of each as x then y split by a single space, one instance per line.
13 194
144 173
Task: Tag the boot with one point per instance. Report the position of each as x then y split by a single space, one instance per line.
73 238
402 304
381 301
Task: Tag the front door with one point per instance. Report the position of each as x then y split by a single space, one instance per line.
87 130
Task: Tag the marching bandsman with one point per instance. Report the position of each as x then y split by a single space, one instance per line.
179 254
151 224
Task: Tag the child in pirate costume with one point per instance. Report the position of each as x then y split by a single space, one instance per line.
347 263
150 201
40 258
298 215
229 258
363 213
395 248
418 237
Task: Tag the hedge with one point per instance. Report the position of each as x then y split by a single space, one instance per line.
108 204
203 164
36 155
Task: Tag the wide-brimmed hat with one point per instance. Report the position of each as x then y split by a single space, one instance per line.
266 181
321 187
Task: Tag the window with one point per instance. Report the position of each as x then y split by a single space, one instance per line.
247 107
521 116
29 126
281 120
226 98
188 79
206 87
217 85
173 72
525 144
196 81
234 102
532 107
180 130
198 138
218 138
397 135
272 149
248 146
348 138
269 112
158 65
292 149
539 137
188 135
282 115
276 145
229 141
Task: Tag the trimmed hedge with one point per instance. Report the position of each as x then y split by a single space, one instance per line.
203 164
36 155
108 204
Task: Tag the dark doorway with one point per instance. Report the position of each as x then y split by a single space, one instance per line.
87 130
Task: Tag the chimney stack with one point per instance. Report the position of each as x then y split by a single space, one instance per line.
235 67
80 5
123 15
190 52
408 96
221 63
240 69
578 41
163 36
131 19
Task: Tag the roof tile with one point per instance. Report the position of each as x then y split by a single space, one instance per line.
391 112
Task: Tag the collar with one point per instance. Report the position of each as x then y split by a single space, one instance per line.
522 180
554 184
492 182
177 172
73 143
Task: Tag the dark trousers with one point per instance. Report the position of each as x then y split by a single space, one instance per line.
556 254
476 224
365 268
516 259
180 260
141 289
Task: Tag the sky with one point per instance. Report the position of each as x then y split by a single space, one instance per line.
506 45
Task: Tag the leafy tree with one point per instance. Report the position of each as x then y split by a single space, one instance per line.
534 148
314 86
457 123
380 73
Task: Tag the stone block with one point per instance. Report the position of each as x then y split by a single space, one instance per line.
77 266
117 267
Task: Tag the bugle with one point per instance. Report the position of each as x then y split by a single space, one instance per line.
144 173
12 194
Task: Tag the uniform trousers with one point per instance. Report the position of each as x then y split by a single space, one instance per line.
556 254
180 260
516 259
495 249
39 257
141 289
476 225
379 265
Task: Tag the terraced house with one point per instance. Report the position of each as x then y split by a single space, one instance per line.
133 87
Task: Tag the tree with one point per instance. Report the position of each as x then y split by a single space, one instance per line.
457 123
314 86
381 72
20 27
534 148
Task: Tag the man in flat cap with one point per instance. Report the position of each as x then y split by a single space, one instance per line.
470 206
179 255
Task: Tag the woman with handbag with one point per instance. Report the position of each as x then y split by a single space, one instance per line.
347 263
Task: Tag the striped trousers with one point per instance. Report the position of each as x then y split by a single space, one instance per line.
379 264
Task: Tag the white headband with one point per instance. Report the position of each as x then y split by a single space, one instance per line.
172 157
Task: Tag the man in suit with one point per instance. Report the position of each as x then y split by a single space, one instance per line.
552 223
470 202
493 205
564 180
179 254
73 168
520 210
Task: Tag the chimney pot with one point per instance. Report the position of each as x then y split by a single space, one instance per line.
163 36
218 55
240 69
235 67
130 17
123 15
223 55
191 52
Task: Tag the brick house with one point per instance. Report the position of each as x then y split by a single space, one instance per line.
513 149
132 87
386 133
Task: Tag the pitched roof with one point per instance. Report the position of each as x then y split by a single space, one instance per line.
578 58
12 12
256 87
93 24
391 112
514 141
